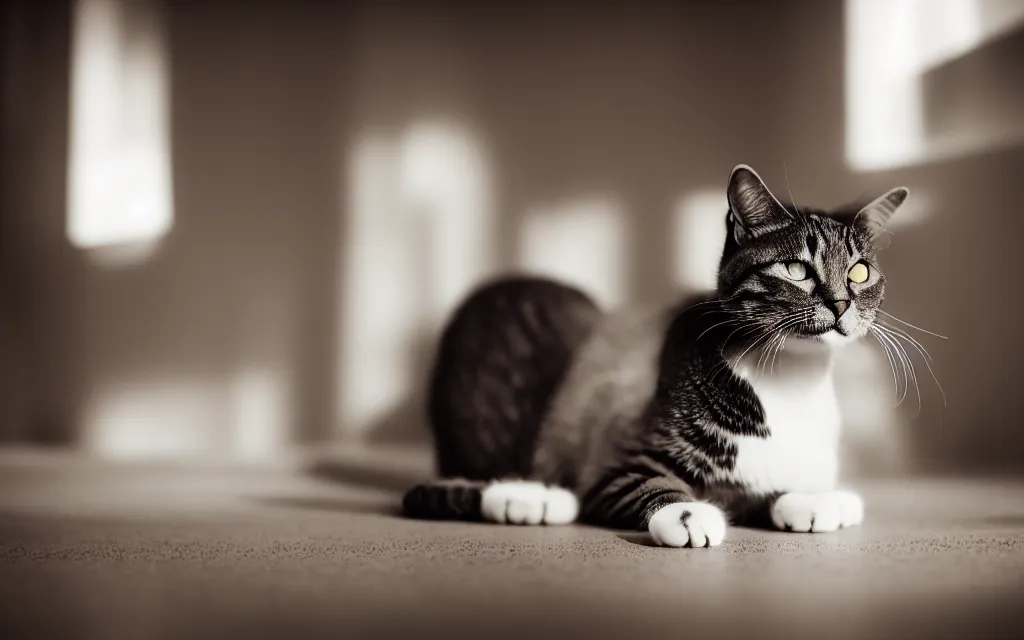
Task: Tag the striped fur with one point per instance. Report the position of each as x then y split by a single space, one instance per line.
451 499
668 420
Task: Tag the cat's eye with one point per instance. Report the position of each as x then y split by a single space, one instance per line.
859 273
796 270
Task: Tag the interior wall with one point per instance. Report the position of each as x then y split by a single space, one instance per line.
40 375
221 341
290 304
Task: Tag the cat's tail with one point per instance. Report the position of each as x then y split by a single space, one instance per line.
502 502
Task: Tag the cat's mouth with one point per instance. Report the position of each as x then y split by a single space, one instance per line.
817 332
828 334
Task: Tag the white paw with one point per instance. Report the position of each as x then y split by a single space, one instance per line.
688 524
518 502
817 512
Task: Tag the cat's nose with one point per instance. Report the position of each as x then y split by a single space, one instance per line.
838 307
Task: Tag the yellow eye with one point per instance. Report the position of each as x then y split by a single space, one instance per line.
796 270
859 273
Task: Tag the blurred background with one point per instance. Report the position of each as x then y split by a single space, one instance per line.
232 229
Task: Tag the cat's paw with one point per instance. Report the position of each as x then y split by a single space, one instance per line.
688 524
817 512
529 503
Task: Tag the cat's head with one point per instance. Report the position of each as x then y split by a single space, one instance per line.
806 273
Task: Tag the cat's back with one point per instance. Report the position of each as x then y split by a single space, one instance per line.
620 355
608 385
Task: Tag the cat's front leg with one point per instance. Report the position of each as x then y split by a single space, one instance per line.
818 512
641 497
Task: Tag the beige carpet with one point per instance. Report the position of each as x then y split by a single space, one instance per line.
93 550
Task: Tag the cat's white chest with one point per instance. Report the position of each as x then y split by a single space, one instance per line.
801 452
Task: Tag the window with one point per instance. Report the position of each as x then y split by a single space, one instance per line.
895 50
119 174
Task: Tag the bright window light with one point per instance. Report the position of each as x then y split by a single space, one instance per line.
581 242
890 44
698 230
154 419
419 233
119 174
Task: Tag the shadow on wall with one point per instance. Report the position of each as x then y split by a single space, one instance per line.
954 274
41 377
971 104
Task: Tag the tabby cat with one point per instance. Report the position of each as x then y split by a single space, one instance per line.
677 421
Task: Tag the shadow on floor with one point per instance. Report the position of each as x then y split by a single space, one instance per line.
642 539
366 474
390 508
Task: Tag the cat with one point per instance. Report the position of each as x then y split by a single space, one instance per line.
717 410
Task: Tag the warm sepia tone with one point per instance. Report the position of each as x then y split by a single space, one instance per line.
230 232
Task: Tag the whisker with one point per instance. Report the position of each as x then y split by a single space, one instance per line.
751 323
785 321
924 354
903 334
803 218
908 364
782 345
762 359
902 352
728 298
772 350
719 324
892 363
748 325
912 326
724 364
898 356
718 301
782 324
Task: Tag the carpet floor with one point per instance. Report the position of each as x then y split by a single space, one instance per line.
91 549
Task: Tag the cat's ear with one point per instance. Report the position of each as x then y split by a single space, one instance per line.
873 217
752 207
